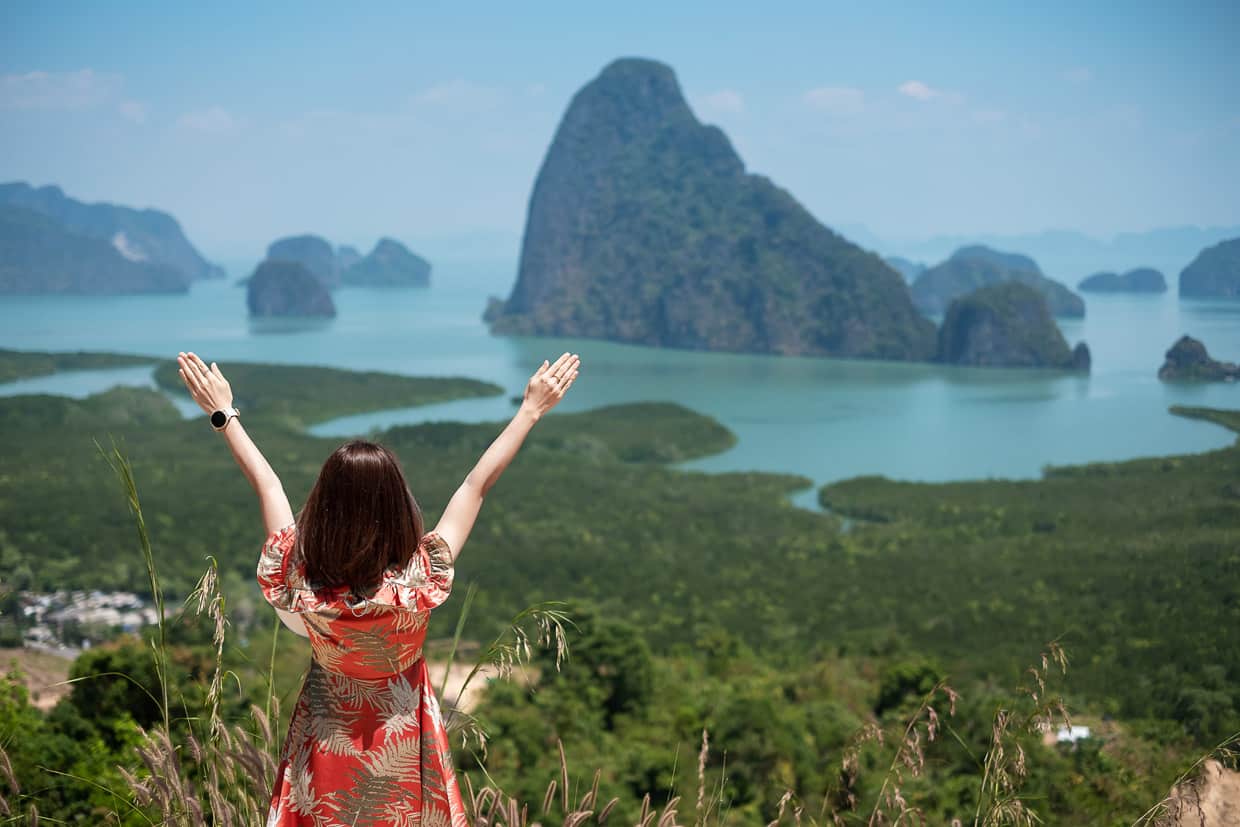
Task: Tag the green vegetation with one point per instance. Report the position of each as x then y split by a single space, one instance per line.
20 364
972 267
145 235
644 227
1002 325
300 395
40 255
701 602
1214 273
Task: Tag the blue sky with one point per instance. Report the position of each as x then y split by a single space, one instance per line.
428 121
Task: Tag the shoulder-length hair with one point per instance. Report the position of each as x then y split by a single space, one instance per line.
359 519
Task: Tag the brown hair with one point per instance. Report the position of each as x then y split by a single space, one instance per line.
359 519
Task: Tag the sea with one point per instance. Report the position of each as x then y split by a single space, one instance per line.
824 419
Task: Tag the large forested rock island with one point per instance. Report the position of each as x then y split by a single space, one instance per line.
1188 359
644 227
1214 273
389 264
1006 325
280 287
978 266
1140 280
39 255
160 258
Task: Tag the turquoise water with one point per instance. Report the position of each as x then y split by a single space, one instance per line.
824 419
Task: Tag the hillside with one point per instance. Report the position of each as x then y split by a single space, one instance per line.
1214 273
977 266
1005 325
40 255
644 227
282 287
149 236
699 600
1140 280
389 264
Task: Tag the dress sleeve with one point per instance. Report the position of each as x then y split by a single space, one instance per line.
280 576
427 581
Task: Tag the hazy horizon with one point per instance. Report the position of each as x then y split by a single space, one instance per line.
429 125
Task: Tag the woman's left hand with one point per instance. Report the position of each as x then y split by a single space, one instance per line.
206 385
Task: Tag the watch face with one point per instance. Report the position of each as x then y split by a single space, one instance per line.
219 418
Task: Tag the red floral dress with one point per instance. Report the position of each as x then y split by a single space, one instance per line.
366 745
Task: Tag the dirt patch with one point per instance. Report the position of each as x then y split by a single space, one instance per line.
1210 800
43 673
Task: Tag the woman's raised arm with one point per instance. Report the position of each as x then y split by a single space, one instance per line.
546 388
212 392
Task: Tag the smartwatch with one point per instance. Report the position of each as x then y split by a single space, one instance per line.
220 419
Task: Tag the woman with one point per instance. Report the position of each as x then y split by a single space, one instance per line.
366 745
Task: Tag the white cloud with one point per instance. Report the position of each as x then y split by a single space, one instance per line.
838 99
214 120
723 102
133 110
82 89
1078 74
919 91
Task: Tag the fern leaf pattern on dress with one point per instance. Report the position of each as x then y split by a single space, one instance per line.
366 745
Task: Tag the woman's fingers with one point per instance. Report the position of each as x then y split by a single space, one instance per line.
201 367
190 384
564 366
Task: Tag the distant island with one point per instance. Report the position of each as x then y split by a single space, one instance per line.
644 227
1214 273
389 264
311 252
1188 360
74 247
1140 280
39 255
909 269
1166 249
281 288
347 256
1006 325
978 266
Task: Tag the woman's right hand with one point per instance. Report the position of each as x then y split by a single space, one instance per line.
206 385
549 384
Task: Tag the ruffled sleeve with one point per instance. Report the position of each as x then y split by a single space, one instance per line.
427 581
280 575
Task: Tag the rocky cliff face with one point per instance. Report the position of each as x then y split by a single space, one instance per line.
389 264
39 255
1140 280
286 288
1214 273
1006 325
148 236
644 227
972 267
310 251
1188 359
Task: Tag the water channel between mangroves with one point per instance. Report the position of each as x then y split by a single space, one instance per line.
826 419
